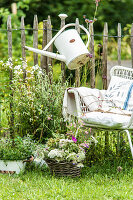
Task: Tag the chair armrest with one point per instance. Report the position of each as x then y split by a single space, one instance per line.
77 101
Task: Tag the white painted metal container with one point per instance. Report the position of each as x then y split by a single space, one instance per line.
72 49
70 44
16 166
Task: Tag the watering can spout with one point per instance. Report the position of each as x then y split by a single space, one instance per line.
47 53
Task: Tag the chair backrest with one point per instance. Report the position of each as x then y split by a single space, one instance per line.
121 71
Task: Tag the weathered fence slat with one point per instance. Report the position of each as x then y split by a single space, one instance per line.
119 44
9 35
22 46
35 38
77 71
62 63
44 42
92 61
132 44
105 48
49 37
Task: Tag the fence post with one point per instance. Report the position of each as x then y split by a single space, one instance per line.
35 38
105 43
49 37
119 44
9 35
44 42
77 71
92 61
63 70
22 46
132 43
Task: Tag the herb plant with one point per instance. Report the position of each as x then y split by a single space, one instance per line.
17 148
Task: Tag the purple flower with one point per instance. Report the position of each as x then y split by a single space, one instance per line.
86 145
74 139
90 21
89 55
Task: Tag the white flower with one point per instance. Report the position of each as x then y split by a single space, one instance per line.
40 72
55 153
80 156
63 142
36 67
80 165
72 156
17 67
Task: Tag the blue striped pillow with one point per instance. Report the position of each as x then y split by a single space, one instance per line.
119 94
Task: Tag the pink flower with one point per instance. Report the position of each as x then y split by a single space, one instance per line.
50 117
97 1
74 139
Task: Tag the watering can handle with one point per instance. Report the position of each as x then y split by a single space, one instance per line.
64 27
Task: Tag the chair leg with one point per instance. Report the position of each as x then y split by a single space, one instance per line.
130 142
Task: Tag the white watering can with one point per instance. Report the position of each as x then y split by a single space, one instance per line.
70 46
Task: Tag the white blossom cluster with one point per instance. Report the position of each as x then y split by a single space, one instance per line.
64 152
63 142
55 153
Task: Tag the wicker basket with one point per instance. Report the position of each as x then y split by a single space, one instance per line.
63 168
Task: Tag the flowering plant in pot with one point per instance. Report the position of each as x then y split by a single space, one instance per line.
13 153
65 154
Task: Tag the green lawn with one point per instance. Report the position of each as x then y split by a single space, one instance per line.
98 182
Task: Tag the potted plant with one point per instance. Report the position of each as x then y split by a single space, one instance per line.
14 153
64 157
65 154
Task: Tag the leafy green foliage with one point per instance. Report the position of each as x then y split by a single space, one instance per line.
37 102
16 149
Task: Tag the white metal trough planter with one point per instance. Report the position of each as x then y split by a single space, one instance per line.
14 166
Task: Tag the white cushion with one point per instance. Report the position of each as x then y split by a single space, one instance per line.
119 94
106 120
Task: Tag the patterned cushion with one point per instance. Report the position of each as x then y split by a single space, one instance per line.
119 94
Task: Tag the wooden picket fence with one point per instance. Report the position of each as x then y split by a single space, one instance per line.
47 36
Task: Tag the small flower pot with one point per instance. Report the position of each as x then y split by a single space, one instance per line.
14 166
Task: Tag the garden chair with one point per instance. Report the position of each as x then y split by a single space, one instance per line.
110 109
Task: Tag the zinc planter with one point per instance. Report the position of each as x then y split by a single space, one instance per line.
8 166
